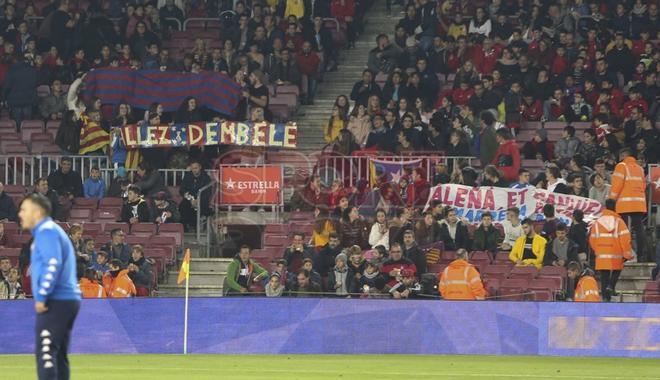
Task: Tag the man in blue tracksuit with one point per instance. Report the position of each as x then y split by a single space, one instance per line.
54 285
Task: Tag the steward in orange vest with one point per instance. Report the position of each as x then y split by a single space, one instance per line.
587 286
461 281
89 287
610 240
116 282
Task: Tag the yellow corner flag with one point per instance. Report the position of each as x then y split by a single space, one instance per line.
184 272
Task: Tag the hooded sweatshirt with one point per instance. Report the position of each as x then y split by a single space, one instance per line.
507 160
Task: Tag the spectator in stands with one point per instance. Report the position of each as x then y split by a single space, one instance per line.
567 145
5 266
135 209
193 181
139 270
10 287
304 287
493 177
53 105
393 266
88 253
151 182
68 133
41 187
385 56
427 230
8 211
356 265
507 156
286 70
164 210
576 185
243 273
364 88
371 281
555 183
524 176
353 229
89 285
406 286
308 265
529 249
336 123
3 237
418 193
308 63
339 279
460 280
512 228
274 287
550 222
100 265
117 283
297 252
257 93
412 252
453 232
308 197
539 147
326 257
116 248
94 186
487 138
561 249
359 124
65 181
486 236
323 227
20 89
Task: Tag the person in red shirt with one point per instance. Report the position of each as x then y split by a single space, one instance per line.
418 191
507 157
308 64
639 45
634 102
591 93
462 94
486 57
555 107
559 62
344 12
532 110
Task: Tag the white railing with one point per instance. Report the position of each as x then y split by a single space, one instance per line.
27 169
355 168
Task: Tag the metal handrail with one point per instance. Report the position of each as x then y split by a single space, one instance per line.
199 211
178 22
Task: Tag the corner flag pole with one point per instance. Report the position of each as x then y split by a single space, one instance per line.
184 274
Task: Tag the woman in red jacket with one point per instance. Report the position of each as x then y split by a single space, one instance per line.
507 157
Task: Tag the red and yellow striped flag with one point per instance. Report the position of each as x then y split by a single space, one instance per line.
184 272
92 136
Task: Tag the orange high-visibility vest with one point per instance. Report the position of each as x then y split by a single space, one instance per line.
628 186
587 290
610 240
461 281
119 287
91 289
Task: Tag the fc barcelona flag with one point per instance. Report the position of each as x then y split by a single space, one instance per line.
654 175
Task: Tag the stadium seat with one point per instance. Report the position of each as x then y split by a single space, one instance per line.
277 229
481 256
492 286
92 226
525 272
80 215
133 239
495 271
30 127
90 203
436 268
18 240
11 228
512 289
552 271
143 229
108 227
270 253
447 257
7 126
275 241
502 258
107 215
110 202
540 288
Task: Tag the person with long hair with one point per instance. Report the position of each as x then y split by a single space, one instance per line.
359 124
188 111
335 124
344 105
68 133
323 226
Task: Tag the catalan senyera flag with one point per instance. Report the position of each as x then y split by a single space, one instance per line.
133 159
184 272
389 171
92 136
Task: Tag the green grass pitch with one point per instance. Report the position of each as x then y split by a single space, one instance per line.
368 367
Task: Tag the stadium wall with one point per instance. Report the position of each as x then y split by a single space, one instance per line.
341 326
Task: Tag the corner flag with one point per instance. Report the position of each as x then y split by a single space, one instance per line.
184 272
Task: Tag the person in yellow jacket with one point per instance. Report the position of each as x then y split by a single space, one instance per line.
609 239
461 281
586 289
528 249
629 191
294 7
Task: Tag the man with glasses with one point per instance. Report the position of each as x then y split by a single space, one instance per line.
116 248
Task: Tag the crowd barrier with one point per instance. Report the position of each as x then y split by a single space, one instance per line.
348 326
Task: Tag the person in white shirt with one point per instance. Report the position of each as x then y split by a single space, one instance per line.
380 231
512 228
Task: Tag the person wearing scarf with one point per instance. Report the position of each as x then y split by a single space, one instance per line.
338 278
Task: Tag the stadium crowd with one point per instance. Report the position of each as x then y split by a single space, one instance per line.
458 77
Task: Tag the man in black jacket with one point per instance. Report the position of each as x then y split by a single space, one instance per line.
297 252
453 232
364 88
165 211
192 182
139 268
7 206
412 251
66 181
135 209
325 260
42 188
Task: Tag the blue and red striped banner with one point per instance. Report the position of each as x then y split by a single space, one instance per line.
141 88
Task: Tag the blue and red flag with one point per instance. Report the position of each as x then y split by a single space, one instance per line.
384 171
141 88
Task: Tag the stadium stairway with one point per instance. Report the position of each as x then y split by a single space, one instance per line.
312 118
206 278
634 277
